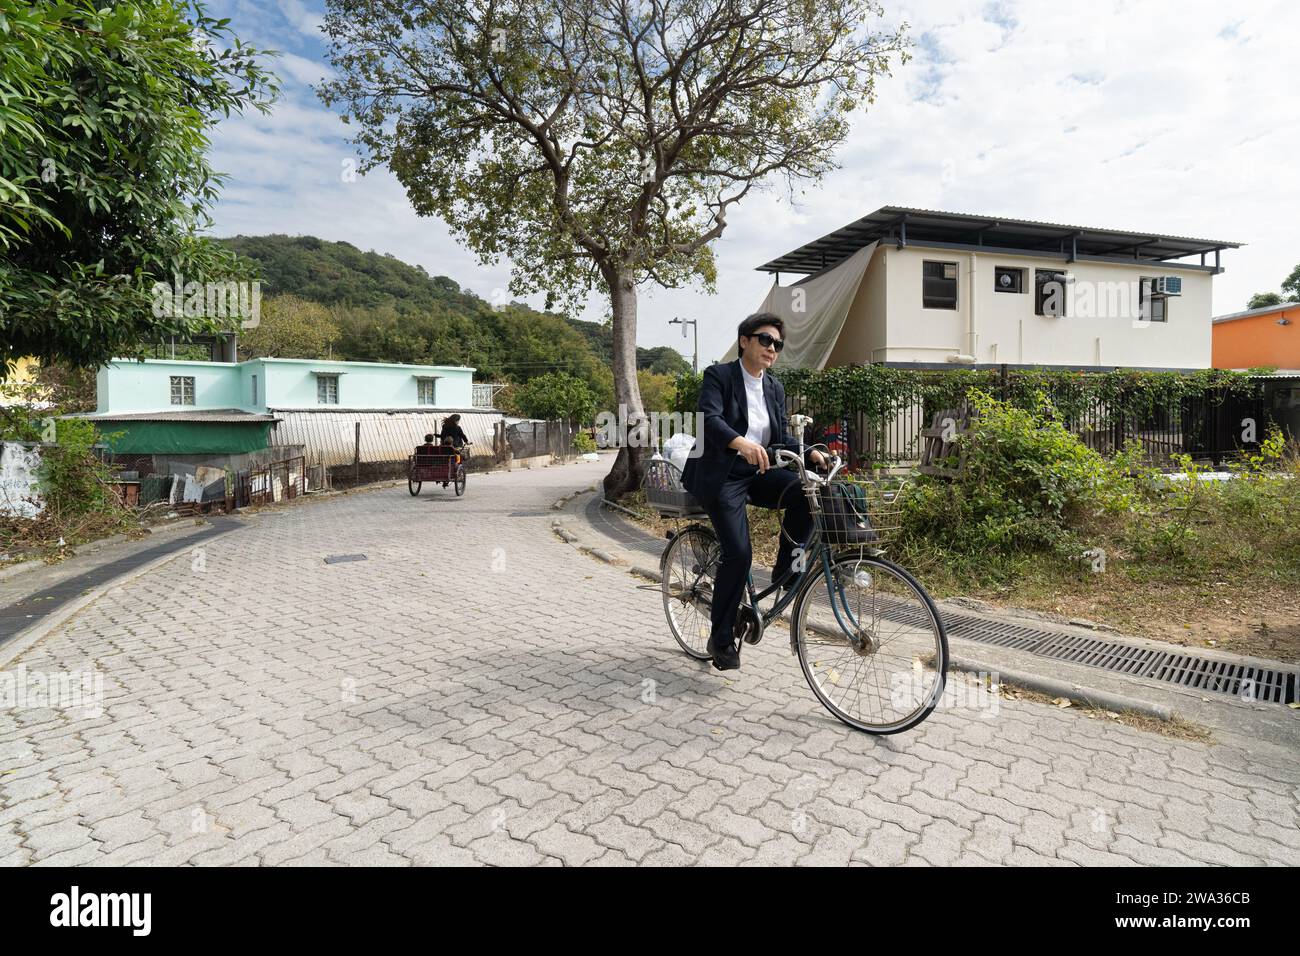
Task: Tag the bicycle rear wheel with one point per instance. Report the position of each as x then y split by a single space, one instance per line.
894 680
688 570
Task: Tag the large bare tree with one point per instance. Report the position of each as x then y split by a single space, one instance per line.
600 143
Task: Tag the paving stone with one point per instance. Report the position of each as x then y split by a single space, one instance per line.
368 723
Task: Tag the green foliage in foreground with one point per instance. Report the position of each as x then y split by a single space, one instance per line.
1033 498
105 111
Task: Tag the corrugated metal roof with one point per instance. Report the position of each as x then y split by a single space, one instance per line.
222 415
994 232
330 438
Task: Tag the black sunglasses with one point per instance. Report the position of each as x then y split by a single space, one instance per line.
766 340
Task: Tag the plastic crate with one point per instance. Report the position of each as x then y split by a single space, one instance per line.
664 491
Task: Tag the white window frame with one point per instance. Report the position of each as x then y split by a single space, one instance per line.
182 388
327 389
254 390
429 384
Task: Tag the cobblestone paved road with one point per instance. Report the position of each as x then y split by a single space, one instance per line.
478 692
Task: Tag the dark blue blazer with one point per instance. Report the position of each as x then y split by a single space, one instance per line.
724 409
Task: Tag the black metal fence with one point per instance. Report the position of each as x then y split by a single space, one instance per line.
1212 425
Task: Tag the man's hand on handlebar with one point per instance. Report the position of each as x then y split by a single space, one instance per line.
752 452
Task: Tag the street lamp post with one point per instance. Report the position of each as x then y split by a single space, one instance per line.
695 327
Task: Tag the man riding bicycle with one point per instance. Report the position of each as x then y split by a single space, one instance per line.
742 409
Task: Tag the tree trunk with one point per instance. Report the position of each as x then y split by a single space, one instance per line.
629 467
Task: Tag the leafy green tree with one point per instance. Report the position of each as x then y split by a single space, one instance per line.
662 360
290 327
557 395
1262 300
105 111
1290 285
659 392
600 143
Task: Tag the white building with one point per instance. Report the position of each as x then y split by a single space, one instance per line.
920 288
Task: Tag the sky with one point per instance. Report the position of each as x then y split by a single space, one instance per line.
1178 118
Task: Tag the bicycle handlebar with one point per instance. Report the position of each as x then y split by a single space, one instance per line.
808 477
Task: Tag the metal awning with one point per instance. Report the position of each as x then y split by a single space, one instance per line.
928 227
224 416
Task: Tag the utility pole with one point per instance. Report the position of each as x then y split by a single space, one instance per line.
695 326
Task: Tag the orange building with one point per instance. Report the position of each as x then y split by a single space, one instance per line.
1258 337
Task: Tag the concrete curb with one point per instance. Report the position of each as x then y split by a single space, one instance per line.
559 503
90 547
1071 691
25 640
20 567
601 555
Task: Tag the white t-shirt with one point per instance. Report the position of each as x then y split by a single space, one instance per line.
759 421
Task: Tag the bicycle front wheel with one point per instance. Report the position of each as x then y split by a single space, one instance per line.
687 573
871 644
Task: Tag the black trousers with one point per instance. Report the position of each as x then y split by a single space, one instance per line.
774 488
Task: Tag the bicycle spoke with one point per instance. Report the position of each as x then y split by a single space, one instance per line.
860 637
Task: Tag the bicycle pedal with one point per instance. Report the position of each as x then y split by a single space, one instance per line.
748 625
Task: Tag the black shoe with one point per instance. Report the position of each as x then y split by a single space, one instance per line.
726 658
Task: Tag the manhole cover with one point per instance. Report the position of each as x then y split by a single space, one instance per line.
344 558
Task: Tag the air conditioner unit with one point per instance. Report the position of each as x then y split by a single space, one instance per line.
1167 285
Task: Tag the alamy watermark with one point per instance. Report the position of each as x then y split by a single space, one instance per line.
229 299
977 692
21 689
649 430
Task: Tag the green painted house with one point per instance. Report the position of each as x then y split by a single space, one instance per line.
227 412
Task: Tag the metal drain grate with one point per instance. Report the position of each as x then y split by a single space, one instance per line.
1184 670
995 632
1224 677
1104 654
342 558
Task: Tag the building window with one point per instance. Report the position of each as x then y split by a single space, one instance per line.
425 387
1049 292
254 389
327 389
1153 308
182 389
939 285
1006 279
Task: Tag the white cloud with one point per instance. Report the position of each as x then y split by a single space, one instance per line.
1153 116
302 69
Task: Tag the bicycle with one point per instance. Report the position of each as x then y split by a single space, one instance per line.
871 615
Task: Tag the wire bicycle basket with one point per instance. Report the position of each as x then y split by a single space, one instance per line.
859 512
665 493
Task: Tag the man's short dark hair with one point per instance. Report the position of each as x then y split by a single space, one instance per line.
428 439
755 322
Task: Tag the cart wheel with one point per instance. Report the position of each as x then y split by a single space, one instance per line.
412 486
460 480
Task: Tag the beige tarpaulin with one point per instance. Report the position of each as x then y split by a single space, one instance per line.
814 310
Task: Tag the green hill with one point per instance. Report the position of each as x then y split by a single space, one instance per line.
390 311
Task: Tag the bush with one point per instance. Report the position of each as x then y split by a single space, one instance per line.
72 479
583 443
1028 485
